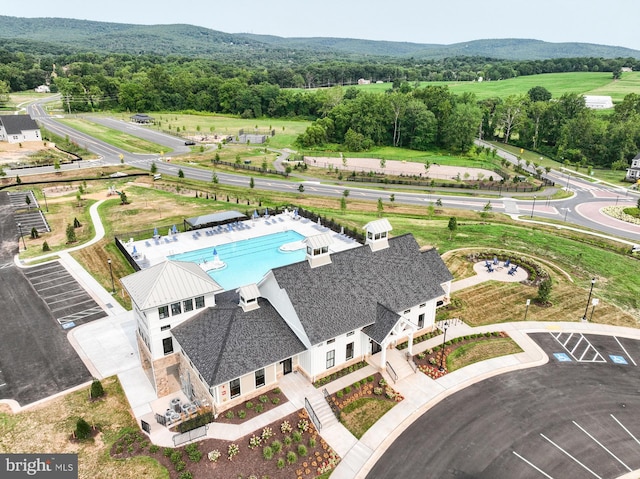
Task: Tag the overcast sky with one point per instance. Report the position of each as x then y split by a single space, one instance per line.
612 22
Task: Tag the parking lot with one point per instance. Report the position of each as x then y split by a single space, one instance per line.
68 302
576 416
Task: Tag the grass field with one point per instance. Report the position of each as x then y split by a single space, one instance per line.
600 83
116 138
480 351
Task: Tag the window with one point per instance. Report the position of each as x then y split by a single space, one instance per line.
165 327
331 341
423 305
175 309
260 378
163 312
167 344
200 302
421 321
407 311
234 386
187 305
350 351
331 358
350 333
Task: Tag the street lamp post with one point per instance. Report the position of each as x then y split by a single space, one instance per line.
45 200
445 326
527 309
113 286
21 236
586 310
568 181
533 207
566 210
594 303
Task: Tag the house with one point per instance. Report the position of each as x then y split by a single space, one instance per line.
313 317
633 172
42 89
598 102
362 81
18 128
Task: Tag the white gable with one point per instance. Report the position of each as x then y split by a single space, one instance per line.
168 282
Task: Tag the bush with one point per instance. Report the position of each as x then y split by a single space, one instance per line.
254 441
285 427
303 425
185 475
302 450
297 436
276 446
275 401
83 430
96 389
291 457
267 452
249 405
340 394
193 452
263 399
229 415
214 455
267 433
377 391
176 456
347 389
281 463
370 379
242 413
276 391
154 448
233 451
287 440
259 408
312 441
166 452
180 466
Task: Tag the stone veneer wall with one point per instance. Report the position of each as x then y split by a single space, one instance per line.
199 388
161 374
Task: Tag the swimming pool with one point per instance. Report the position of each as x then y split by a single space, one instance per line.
247 261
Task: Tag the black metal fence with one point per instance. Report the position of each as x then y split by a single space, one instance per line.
392 372
334 407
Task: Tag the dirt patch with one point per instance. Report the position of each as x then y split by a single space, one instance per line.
19 152
402 168
295 451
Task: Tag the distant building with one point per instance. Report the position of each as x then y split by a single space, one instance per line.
362 81
633 172
598 102
626 69
18 128
142 118
43 89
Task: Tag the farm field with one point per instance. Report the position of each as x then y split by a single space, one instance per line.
592 83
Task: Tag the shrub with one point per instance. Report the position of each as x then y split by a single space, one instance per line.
285 427
166 452
259 408
242 413
275 401
276 391
267 452
249 405
302 450
312 441
287 440
297 436
193 452
281 463
347 390
255 441
303 425
180 466
185 475
263 399
370 379
229 415
214 455
233 451
267 433
340 394
154 448
176 456
291 457
377 391
382 382
83 430
422 355
276 446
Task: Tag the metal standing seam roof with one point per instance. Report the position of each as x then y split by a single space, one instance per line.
249 291
318 241
168 282
378 226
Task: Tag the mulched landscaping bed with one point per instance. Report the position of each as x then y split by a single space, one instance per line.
374 386
429 361
252 408
303 453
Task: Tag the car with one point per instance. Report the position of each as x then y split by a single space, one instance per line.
189 143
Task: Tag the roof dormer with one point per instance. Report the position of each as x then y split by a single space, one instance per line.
249 295
318 249
378 234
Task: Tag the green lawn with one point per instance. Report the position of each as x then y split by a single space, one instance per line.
599 83
116 138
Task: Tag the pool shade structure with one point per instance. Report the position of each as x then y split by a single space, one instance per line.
213 219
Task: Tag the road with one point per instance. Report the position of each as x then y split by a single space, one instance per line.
575 417
581 210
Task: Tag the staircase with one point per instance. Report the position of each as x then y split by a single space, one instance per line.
399 364
296 387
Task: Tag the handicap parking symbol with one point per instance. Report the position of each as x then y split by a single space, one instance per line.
618 359
562 357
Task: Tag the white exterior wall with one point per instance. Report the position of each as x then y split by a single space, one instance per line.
152 324
315 360
429 311
28 135
222 394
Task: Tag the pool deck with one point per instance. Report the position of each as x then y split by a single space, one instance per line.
153 251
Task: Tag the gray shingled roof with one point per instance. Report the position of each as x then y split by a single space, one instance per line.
385 321
224 342
343 296
16 124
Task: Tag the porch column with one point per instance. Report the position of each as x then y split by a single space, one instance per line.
383 357
411 343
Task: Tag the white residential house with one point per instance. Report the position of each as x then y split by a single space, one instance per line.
633 172
313 317
18 128
42 89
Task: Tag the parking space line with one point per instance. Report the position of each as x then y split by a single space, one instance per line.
57 285
75 304
533 465
625 351
576 346
597 357
570 456
601 445
625 429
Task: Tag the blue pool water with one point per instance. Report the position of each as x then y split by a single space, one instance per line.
247 261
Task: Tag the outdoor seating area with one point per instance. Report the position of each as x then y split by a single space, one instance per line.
498 270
